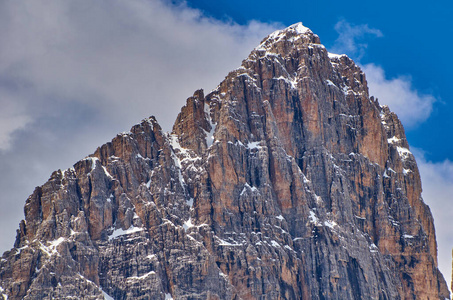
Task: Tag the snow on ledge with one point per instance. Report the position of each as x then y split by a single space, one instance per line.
187 224
119 232
313 218
133 278
403 152
299 28
254 145
335 56
106 296
331 224
277 35
4 296
52 248
393 140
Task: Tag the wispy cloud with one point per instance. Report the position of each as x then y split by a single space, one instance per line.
353 39
119 57
411 106
75 73
437 183
12 118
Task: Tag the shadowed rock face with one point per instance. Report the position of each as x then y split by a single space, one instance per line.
286 182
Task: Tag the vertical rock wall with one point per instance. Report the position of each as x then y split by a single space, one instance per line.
286 182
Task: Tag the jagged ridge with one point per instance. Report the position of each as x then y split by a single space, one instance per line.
286 182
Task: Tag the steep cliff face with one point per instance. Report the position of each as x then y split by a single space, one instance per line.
286 182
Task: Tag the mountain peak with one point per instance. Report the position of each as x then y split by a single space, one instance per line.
299 28
294 34
286 182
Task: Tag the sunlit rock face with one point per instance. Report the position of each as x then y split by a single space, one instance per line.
288 181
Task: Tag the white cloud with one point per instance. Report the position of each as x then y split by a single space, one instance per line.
12 118
437 183
105 53
411 106
352 38
75 73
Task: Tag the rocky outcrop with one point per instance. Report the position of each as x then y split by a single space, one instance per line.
286 182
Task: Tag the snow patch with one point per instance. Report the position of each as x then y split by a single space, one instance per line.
4 296
313 218
168 297
254 145
275 244
335 56
210 135
110 198
330 83
177 162
393 140
151 256
330 224
138 155
373 248
106 296
248 187
408 236
318 199
149 121
119 232
404 153
52 248
299 28
394 222
141 277
106 172
345 90
93 162
187 224
291 82
225 243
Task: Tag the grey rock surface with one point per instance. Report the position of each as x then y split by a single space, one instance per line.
288 181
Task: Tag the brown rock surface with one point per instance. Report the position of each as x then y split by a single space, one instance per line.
286 182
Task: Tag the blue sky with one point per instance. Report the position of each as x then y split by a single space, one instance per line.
404 48
416 42
75 73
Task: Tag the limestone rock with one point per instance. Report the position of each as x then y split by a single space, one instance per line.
288 181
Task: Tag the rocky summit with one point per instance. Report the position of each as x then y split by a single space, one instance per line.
288 181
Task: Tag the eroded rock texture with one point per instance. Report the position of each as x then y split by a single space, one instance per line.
286 182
